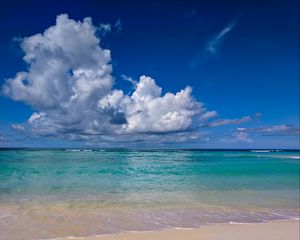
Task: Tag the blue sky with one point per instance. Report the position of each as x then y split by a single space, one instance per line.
240 58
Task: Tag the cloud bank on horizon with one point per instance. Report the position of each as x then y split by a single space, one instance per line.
69 82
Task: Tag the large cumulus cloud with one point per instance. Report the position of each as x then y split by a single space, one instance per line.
146 110
69 83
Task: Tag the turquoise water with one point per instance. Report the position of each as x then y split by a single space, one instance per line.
154 189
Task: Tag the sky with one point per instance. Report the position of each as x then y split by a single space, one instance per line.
149 74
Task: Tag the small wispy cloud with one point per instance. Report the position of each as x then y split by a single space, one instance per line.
242 137
212 46
208 115
223 122
246 135
18 127
2 138
275 130
104 28
130 79
118 25
237 136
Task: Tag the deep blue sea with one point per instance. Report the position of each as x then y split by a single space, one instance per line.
76 192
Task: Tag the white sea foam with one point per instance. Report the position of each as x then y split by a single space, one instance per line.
176 228
260 151
237 223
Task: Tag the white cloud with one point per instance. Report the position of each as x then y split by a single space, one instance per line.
68 73
146 110
237 136
104 28
209 115
222 122
18 127
275 130
212 46
118 25
35 116
130 79
242 136
67 67
69 83
2 138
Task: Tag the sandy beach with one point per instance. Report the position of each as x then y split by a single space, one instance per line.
279 230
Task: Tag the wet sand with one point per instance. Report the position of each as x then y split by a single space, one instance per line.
280 230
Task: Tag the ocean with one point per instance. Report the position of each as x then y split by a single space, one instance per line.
55 193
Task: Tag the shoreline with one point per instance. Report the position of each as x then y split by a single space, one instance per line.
275 230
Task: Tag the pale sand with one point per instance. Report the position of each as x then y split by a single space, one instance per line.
256 231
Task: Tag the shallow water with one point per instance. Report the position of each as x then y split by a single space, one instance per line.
56 193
